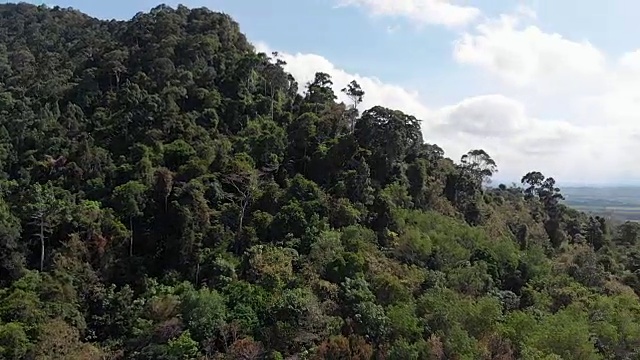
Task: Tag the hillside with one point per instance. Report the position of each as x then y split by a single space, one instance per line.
168 193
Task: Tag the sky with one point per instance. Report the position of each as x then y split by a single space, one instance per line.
545 85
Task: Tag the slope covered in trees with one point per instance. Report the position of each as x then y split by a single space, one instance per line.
168 193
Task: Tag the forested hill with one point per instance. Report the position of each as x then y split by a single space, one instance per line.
168 193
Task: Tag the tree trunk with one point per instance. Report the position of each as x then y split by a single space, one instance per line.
197 272
272 102
304 160
41 244
131 239
242 214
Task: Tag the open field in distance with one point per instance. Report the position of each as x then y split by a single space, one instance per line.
620 203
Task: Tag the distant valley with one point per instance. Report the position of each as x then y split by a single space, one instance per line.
619 203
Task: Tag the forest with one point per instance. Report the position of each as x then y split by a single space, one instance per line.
166 192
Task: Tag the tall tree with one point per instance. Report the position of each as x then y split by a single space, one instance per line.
355 93
242 179
319 92
388 135
549 196
46 211
480 165
129 199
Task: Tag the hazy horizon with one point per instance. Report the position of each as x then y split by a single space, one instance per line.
561 184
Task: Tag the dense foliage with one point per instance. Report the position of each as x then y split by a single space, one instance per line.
168 193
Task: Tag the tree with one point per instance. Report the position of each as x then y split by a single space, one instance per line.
243 181
59 340
183 347
246 349
164 184
319 92
12 261
549 196
534 181
275 77
204 313
14 342
115 64
596 231
341 348
480 165
130 201
628 233
388 135
355 93
46 211
303 141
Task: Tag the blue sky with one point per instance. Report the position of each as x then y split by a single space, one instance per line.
541 84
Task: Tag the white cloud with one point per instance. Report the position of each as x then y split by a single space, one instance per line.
618 101
528 56
630 62
592 87
502 127
436 12
598 95
491 116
